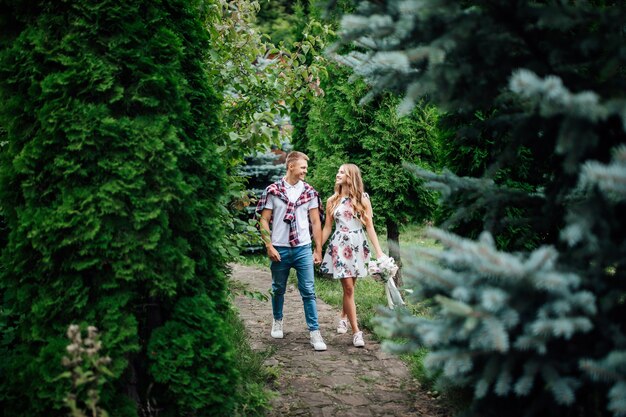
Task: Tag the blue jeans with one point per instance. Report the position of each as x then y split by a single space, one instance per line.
301 259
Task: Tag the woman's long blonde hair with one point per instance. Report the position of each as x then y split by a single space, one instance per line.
354 190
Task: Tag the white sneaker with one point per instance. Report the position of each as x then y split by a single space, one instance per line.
277 329
316 340
357 340
342 327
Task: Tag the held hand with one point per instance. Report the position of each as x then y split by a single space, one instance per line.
317 257
273 254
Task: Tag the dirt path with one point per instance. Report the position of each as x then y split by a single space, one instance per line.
342 381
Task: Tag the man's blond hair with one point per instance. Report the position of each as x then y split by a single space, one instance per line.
295 156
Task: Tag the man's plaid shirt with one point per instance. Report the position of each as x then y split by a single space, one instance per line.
278 189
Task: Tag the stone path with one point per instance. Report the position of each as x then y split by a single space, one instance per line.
343 381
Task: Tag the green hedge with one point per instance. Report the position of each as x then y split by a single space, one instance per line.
110 188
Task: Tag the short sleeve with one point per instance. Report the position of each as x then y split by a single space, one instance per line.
269 204
314 203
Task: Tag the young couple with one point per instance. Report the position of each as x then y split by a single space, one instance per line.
293 209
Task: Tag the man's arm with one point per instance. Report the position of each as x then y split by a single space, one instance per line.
316 223
264 222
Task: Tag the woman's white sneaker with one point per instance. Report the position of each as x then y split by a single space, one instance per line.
342 327
357 339
277 329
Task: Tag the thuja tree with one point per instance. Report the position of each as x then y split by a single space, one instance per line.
340 131
537 331
110 185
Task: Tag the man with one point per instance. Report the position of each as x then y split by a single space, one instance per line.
291 206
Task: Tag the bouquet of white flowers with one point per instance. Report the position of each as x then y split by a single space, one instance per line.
385 269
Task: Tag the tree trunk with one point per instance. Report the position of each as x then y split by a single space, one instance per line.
393 240
132 381
140 382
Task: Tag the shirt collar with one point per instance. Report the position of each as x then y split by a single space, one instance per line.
288 186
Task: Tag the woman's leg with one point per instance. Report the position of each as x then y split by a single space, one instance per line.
349 307
344 315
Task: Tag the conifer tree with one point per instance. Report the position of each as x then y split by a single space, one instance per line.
110 185
540 330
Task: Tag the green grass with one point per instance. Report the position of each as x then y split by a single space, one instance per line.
368 296
257 259
254 398
415 361
410 235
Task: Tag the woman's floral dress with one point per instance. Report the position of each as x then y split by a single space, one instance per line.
347 254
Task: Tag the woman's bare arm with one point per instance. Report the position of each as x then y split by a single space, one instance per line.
369 228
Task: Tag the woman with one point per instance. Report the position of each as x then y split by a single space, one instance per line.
348 254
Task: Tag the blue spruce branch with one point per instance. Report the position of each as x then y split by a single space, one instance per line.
476 320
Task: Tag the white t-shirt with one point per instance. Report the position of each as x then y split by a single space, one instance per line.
280 229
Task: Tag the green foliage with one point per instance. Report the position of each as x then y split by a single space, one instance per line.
475 147
261 81
415 361
191 356
471 310
276 19
535 93
110 184
340 131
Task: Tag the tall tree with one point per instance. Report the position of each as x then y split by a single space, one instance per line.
378 141
110 183
537 331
